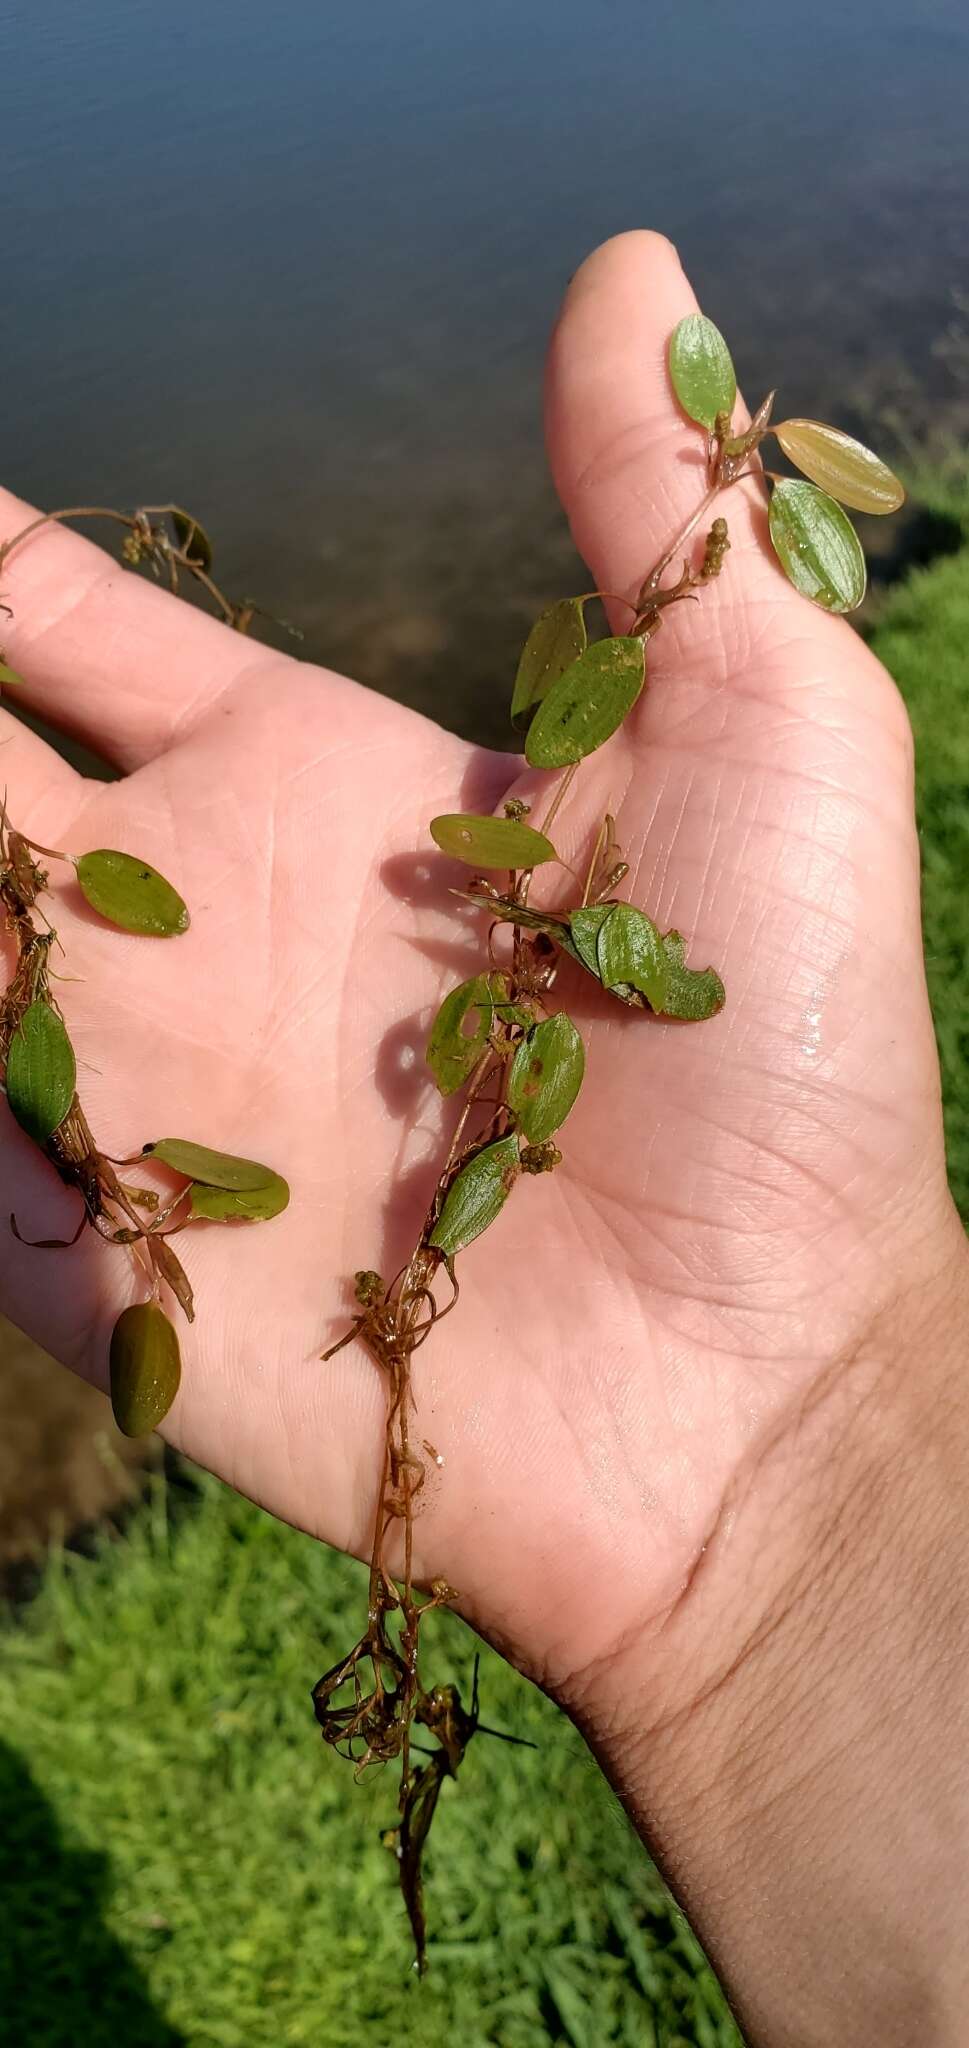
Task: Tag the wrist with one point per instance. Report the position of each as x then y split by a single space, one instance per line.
792 1742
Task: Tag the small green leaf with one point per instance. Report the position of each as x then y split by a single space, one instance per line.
131 894
253 1205
41 1072
630 954
9 679
701 370
585 926
585 706
817 546
555 641
213 1169
192 539
145 1368
476 1195
545 1077
461 1029
846 469
491 842
692 993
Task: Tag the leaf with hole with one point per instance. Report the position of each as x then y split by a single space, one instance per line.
845 468
130 894
213 1169
587 704
463 1025
545 1077
692 993
192 539
145 1366
250 1205
701 370
630 955
555 641
41 1071
491 842
817 546
476 1196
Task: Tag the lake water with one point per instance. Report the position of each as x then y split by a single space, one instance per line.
294 265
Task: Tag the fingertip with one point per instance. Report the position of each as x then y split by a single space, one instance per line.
607 357
642 252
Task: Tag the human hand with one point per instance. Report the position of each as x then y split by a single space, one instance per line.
743 1203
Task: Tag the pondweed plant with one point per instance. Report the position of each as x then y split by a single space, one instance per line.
516 1062
499 1046
39 1069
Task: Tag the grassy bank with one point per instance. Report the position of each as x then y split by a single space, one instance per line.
179 1861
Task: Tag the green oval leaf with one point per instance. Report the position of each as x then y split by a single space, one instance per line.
251 1205
491 842
817 546
476 1195
701 370
555 641
586 705
545 1077
845 468
131 894
41 1072
192 539
461 1028
145 1368
585 926
213 1169
692 993
630 954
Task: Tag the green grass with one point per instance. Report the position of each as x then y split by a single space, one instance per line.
182 1863
922 636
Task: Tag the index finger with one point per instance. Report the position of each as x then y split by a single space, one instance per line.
105 656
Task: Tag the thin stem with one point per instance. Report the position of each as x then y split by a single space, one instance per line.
652 581
57 518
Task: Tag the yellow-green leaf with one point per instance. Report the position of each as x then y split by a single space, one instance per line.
701 370
192 539
585 706
41 1071
491 842
476 1195
817 546
545 1077
213 1169
692 993
630 954
845 468
131 894
251 1205
146 1368
9 679
555 641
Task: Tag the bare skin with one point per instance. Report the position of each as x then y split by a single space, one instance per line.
746 1206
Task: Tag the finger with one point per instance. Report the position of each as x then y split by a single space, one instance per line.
105 656
40 791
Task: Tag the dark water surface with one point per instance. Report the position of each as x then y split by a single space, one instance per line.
295 264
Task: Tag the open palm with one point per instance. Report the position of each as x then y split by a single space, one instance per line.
738 1198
